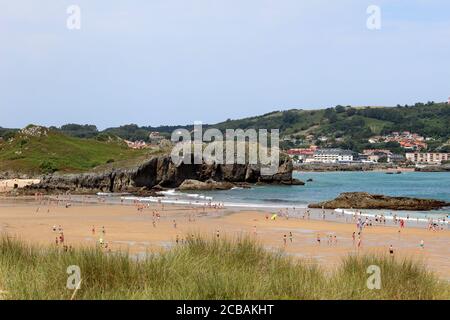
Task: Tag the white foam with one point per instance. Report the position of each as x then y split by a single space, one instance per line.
387 216
208 203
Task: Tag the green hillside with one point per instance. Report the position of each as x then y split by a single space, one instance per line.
76 147
40 150
343 126
350 127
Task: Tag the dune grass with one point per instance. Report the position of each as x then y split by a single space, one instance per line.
204 269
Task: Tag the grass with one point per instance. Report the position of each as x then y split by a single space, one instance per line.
204 269
57 152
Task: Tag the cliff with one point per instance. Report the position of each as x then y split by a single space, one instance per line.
160 172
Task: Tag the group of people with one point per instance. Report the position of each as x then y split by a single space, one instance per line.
285 238
59 239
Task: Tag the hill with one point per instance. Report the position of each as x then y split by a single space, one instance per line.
350 127
36 149
341 126
77 148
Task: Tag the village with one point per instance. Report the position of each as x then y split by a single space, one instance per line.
412 144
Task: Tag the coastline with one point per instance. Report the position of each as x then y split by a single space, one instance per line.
376 167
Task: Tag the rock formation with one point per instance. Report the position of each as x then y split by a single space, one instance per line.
161 172
364 200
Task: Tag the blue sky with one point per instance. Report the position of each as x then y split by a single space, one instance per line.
155 62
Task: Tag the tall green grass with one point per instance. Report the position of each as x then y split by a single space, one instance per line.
58 152
205 269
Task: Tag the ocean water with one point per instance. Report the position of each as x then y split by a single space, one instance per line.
324 186
328 185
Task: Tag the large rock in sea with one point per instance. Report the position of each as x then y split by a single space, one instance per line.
161 172
364 200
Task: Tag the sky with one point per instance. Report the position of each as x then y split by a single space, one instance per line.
169 62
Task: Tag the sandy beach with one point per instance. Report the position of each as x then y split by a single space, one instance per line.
141 231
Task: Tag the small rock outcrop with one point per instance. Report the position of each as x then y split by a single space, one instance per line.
364 200
190 184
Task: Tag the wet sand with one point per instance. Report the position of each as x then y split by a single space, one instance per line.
127 228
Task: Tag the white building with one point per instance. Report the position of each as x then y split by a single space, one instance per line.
427 157
333 155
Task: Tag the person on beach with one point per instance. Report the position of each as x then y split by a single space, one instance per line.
217 233
290 236
422 244
391 251
354 237
285 239
103 230
174 224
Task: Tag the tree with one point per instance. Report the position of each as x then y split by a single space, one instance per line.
340 109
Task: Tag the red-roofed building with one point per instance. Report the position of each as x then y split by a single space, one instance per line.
301 154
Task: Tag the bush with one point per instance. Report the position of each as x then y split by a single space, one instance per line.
48 167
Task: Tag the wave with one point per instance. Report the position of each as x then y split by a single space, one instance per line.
277 200
174 193
202 202
389 216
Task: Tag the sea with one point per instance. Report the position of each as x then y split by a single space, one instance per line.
326 186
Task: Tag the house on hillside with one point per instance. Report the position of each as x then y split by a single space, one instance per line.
301 154
155 138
